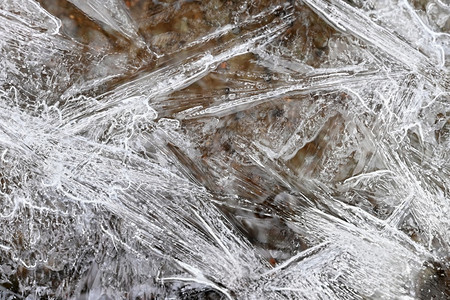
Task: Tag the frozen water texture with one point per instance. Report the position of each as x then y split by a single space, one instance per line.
235 150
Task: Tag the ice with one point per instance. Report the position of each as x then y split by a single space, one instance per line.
224 150
112 14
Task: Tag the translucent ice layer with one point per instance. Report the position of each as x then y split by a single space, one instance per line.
224 149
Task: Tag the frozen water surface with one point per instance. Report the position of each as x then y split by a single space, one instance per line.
224 149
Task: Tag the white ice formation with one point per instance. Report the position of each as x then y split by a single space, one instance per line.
285 150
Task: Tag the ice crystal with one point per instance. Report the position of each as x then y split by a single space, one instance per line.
224 149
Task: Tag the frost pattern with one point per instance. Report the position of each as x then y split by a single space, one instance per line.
265 150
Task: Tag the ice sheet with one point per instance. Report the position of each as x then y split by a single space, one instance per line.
251 150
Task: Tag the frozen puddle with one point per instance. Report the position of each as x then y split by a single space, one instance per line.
224 149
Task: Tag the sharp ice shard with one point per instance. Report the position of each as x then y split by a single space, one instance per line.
112 15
